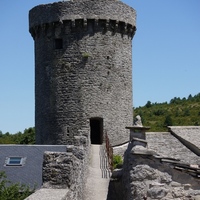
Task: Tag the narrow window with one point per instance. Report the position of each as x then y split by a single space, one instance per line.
58 43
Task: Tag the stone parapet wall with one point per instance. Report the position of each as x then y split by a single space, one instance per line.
66 171
49 194
145 177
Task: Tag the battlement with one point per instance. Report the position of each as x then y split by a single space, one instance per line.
85 24
109 14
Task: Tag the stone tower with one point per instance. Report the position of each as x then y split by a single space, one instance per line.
83 71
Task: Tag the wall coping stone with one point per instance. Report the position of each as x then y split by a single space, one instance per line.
48 194
138 128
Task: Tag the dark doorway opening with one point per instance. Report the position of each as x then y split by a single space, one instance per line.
96 130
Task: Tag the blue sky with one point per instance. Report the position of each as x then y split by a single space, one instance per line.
166 56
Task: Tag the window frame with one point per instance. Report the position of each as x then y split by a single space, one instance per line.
13 161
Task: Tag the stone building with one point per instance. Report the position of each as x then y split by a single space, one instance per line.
83 70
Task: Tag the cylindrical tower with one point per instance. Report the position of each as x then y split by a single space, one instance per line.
83 70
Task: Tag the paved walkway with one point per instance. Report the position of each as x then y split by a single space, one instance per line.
99 175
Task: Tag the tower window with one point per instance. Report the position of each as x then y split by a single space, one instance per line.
58 43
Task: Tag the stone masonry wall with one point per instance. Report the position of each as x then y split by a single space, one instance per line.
145 177
90 76
66 170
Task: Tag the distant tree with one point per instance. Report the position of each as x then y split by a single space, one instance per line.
183 112
175 100
10 191
17 137
176 113
184 99
197 97
189 97
168 121
7 133
186 112
159 112
6 138
28 137
172 100
148 104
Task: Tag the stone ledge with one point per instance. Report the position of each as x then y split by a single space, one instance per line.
183 127
139 140
49 194
141 128
140 150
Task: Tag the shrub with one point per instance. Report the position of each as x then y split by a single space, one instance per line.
117 161
10 191
85 55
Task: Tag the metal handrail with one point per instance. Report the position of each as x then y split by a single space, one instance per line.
109 151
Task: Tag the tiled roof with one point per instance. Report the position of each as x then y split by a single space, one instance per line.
188 134
31 172
165 144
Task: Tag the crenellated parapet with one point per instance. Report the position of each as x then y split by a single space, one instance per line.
109 15
83 24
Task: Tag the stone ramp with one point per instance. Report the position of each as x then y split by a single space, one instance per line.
98 176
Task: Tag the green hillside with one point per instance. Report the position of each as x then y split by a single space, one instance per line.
178 112
27 137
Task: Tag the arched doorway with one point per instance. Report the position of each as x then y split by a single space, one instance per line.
96 130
